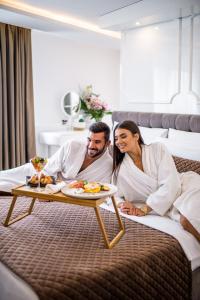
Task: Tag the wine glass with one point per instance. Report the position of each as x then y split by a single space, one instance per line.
38 163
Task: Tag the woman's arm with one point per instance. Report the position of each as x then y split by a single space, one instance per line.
169 185
129 209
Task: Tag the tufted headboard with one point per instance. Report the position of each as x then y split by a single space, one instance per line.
160 120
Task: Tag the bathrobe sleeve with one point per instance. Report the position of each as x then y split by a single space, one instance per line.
169 185
56 161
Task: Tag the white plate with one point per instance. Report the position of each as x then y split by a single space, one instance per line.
73 192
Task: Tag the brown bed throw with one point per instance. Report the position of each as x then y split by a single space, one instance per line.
60 252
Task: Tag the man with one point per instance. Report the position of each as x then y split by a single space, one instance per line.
74 160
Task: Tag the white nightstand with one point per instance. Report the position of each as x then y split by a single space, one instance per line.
58 138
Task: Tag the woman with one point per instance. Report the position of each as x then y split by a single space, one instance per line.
146 174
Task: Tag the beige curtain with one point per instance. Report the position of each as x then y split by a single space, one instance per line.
17 129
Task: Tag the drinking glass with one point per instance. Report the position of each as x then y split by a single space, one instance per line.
38 163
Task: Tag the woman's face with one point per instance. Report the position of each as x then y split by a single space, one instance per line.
125 140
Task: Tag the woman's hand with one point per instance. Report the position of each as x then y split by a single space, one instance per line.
129 209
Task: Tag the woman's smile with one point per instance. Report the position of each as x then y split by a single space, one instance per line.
121 146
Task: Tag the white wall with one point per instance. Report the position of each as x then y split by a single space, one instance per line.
61 65
160 67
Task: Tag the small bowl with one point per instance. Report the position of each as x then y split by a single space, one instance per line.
41 184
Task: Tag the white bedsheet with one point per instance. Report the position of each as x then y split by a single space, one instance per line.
189 244
12 287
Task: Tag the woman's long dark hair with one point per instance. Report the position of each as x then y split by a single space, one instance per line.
117 155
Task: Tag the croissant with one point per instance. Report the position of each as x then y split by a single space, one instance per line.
34 179
46 179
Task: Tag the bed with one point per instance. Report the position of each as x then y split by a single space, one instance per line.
58 252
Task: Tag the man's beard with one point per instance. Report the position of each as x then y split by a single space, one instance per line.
95 152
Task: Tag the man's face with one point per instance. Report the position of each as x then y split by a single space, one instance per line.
96 144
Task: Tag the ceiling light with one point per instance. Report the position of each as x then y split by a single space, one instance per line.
137 24
156 28
58 17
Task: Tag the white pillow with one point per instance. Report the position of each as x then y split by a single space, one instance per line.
180 149
151 134
115 124
112 131
187 139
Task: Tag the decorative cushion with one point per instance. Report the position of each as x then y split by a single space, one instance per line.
185 165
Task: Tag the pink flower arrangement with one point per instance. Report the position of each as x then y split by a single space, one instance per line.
92 106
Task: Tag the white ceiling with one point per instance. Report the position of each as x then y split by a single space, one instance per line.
108 14
90 10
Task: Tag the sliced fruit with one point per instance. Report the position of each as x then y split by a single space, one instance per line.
92 187
105 188
77 184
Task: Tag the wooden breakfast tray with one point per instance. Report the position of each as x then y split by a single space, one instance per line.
60 197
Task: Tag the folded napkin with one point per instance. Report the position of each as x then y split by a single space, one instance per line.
54 188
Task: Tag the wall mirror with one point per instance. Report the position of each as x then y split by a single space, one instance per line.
70 104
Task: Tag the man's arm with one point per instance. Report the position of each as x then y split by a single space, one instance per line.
55 162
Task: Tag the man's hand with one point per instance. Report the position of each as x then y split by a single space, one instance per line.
129 209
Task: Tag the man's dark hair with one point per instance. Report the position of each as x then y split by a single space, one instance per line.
101 127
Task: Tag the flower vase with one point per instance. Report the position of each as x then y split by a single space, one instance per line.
88 121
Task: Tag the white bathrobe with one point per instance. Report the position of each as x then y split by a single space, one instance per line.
160 185
67 160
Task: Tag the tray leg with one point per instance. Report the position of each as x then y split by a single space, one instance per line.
121 226
102 227
7 221
112 243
